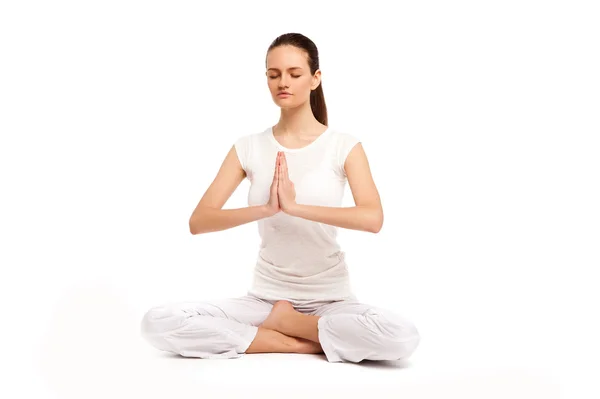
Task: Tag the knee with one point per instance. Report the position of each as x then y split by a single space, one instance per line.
400 337
160 320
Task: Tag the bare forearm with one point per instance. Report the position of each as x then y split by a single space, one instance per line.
211 219
365 218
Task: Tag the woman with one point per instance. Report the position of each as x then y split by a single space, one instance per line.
300 300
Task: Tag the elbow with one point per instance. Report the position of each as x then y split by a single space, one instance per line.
376 228
200 222
377 224
193 225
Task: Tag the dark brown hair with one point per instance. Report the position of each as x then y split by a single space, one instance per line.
317 99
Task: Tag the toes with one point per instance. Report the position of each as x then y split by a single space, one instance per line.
283 304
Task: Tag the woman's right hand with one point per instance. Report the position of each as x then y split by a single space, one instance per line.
273 204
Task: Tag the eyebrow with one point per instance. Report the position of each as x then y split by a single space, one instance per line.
288 68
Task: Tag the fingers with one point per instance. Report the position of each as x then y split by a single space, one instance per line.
276 174
279 171
284 170
276 168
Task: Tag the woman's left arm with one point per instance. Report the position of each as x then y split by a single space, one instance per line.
367 215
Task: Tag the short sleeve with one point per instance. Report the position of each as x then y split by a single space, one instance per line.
346 143
242 149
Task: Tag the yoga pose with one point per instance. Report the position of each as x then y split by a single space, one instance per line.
300 300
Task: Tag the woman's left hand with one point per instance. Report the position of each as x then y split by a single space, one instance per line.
285 188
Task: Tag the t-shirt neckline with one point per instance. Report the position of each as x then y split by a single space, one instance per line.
283 148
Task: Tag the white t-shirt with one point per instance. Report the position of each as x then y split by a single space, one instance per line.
298 259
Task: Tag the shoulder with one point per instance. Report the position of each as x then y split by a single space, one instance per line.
344 142
248 141
247 145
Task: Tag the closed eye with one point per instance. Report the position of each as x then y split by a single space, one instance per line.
293 76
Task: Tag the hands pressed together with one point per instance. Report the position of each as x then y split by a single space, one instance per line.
283 194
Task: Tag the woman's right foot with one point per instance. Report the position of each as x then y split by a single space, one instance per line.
307 346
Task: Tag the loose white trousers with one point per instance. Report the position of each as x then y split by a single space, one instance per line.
349 330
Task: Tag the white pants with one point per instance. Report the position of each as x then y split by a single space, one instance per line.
348 330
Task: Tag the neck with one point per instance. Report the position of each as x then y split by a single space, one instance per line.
298 121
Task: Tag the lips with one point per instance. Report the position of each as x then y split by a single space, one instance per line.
283 92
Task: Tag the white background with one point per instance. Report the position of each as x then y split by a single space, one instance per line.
480 121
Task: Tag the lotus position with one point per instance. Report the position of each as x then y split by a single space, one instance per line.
300 299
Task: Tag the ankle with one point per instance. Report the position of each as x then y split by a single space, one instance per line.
291 342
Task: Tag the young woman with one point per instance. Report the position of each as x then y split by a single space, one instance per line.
300 300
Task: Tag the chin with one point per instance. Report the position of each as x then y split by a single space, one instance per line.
286 103
283 104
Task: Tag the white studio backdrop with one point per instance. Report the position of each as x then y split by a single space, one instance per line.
479 119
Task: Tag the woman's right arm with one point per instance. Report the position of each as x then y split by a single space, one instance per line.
208 215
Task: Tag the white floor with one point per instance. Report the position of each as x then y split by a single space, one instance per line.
160 375
303 376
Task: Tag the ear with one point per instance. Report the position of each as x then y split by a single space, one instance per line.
316 79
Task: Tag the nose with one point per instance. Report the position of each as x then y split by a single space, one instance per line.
283 85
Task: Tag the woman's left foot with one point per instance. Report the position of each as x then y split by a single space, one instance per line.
279 313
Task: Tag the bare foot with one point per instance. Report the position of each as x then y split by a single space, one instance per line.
279 313
308 346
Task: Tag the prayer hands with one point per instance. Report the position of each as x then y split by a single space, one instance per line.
273 204
285 188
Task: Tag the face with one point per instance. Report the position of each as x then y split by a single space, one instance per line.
288 70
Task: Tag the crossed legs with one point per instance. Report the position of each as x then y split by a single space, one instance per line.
287 330
344 330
